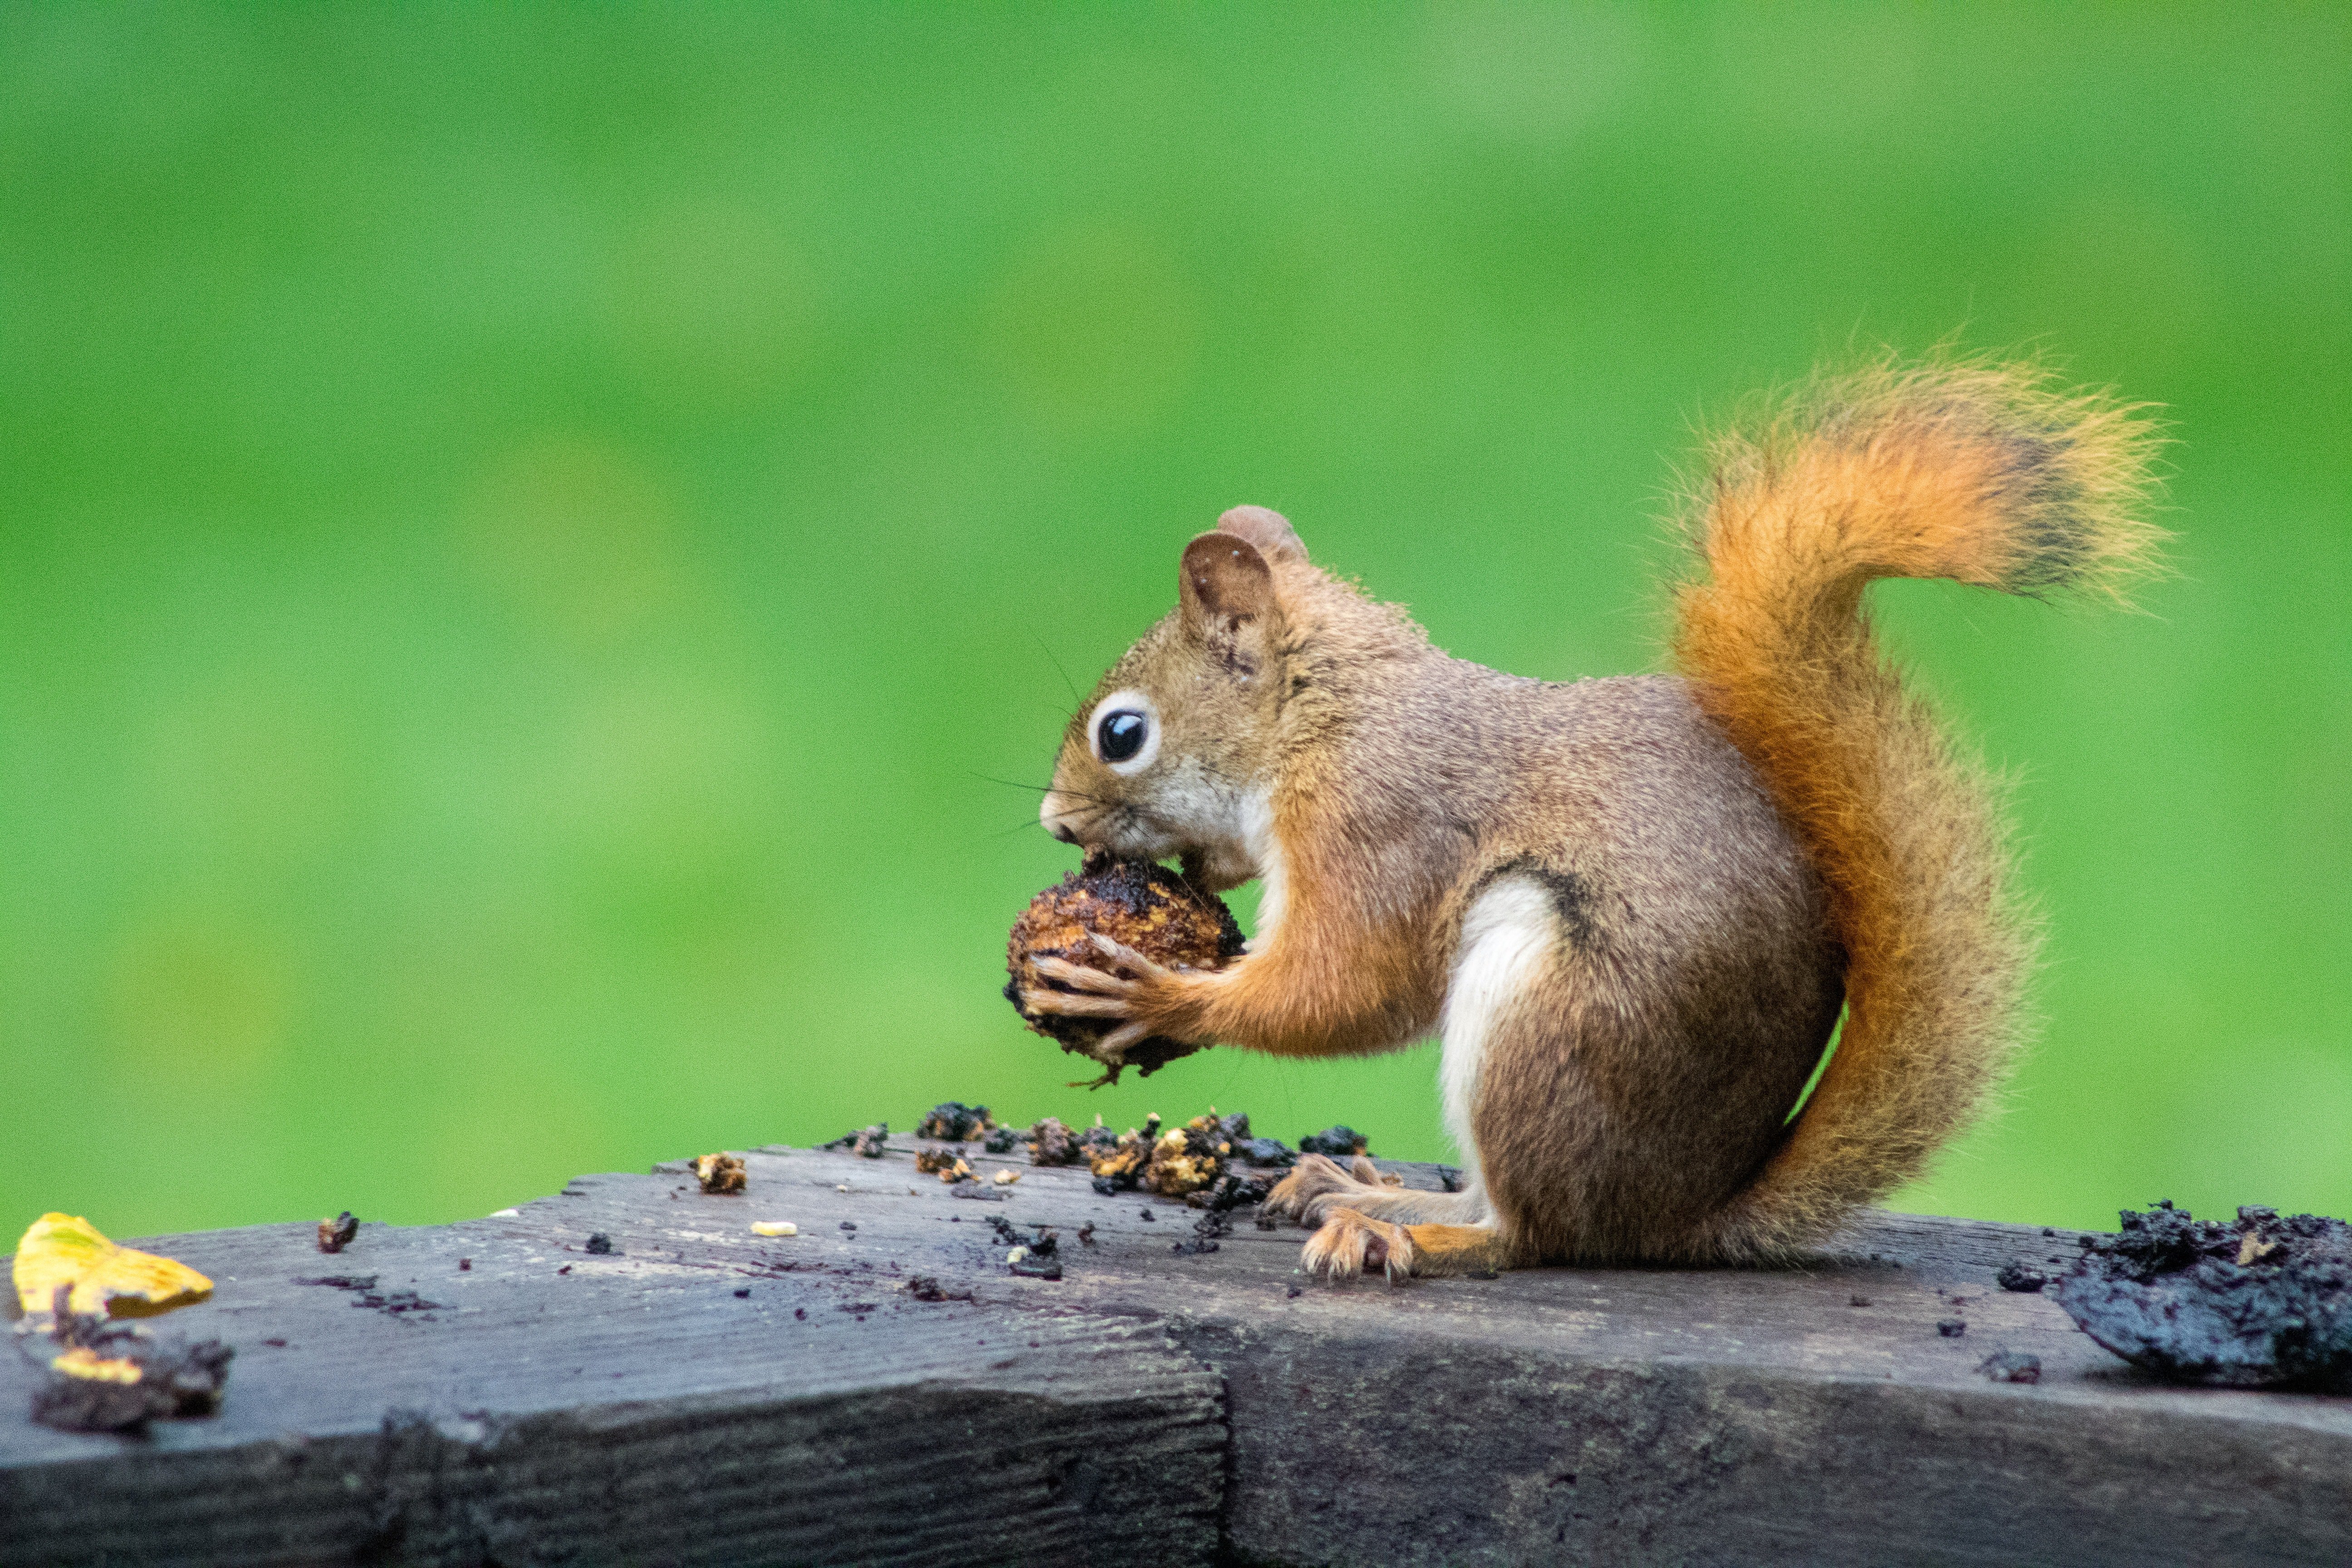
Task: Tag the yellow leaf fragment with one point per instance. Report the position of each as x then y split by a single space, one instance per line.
63 1249
83 1361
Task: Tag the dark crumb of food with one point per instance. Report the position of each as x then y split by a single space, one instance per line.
1148 1216
2261 1301
1857 1301
1086 1234
1951 1327
129 1376
1002 1140
2022 1276
392 1303
565 1269
1342 1143
1230 1192
2011 1366
849 1224
1263 1152
953 1121
720 1174
742 1293
275 1344
1265 1222
800 1314
860 1308
336 1233
600 1244
923 1287
1206 1230
465 1265
945 1164
1294 1290
2049 1230
867 1142
1120 1163
1037 1258
1052 1144
1137 904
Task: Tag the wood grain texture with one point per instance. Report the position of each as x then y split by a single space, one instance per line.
1151 1407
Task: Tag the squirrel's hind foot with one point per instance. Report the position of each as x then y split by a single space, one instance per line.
1348 1244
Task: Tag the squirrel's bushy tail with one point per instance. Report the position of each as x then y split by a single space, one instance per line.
1973 471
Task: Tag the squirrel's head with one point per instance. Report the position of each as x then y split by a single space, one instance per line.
1174 753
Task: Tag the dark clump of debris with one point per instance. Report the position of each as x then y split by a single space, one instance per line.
1252 1151
600 1244
1002 1140
2011 1366
1951 1327
1340 1142
2022 1276
392 1303
924 1288
1037 1258
866 1142
720 1174
109 1376
1052 1144
945 1164
1119 1167
334 1235
2259 1302
953 1121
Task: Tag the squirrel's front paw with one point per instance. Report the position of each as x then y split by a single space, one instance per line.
1105 993
1350 1243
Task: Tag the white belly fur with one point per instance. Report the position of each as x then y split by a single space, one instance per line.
1505 937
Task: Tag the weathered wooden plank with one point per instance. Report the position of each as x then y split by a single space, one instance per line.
636 1409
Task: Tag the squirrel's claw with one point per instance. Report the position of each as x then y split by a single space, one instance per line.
1126 957
1350 1243
1100 981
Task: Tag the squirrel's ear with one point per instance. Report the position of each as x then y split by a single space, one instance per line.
1225 589
1269 530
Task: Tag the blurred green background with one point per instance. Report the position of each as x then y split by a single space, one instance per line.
525 535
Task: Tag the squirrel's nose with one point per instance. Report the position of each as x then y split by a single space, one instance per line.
1054 813
1060 830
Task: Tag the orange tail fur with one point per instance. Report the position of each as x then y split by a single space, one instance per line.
1970 471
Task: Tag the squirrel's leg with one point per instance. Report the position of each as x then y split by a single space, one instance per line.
1497 994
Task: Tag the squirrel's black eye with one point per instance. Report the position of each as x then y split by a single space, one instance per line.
1120 735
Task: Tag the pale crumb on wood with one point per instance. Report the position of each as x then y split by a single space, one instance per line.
774 1228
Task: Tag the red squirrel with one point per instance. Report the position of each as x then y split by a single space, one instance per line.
1632 908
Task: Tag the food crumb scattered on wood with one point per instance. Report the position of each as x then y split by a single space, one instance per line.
2020 1277
600 1244
117 1378
924 1288
867 1142
953 1121
1340 1142
1006 1178
2011 1366
945 1164
1857 1301
1951 1327
2262 1302
774 1228
336 1233
465 1265
720 1174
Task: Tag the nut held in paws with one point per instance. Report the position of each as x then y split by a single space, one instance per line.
1146 906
